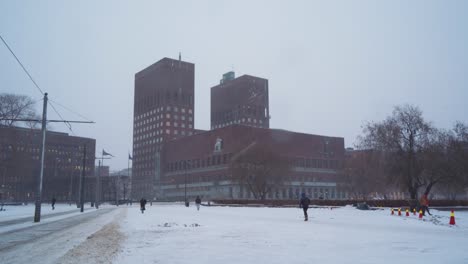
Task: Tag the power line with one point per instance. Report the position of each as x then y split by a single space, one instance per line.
40 90
66 108
24 69
66 122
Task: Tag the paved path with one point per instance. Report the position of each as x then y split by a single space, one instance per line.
46 242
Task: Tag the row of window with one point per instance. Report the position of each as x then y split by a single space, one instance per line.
161 117
245 110
240 121
137 135
198 163
315 163
161 109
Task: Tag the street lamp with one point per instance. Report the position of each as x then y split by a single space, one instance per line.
185 180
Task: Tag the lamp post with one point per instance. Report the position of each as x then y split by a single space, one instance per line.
185 181
70 171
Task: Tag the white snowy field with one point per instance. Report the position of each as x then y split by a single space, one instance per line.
172 233
176 234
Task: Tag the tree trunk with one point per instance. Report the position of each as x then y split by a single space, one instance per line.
429 187
413 192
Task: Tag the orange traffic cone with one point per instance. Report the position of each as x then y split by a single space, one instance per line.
414 211
452 218
407 212
399 211
420 214
392 211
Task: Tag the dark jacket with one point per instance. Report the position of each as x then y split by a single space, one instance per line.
305 201
142 203
198 200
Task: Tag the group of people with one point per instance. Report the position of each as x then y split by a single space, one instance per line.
143 204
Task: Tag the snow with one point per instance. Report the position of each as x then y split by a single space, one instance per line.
176 234
22 211
173 233
25 215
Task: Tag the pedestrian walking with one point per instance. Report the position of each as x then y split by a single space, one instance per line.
142 205
53 203
304 204
424 203
198 202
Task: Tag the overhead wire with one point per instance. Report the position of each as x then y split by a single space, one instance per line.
22 66
70 110
63 120
40 90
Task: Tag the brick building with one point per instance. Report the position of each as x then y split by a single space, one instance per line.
170 157
242 100
163 110
20 164
201 163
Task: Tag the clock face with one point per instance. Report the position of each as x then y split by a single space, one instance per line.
254 92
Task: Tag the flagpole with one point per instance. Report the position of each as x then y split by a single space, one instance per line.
128 169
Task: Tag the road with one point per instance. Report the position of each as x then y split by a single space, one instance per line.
50 242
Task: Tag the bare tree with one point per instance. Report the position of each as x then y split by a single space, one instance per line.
363 172
13 106
260 169
402 138
451 166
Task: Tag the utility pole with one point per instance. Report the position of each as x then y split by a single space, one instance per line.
96 202
37 210
82 180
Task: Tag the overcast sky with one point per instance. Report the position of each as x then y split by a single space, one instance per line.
331 65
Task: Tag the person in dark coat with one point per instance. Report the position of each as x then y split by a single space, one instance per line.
53 203
304 204
198 202
142 205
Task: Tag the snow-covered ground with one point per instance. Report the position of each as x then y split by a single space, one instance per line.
22 211
24 214
176 234
172 233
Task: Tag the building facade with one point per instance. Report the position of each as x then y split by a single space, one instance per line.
20 151
172 160
242 100
163 110
200 164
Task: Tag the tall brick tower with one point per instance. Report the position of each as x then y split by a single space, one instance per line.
242 100
163 110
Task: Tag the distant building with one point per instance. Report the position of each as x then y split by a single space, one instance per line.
115 188
201 163
20 151
242 100
163 110
105 171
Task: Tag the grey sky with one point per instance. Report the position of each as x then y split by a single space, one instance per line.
331 65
